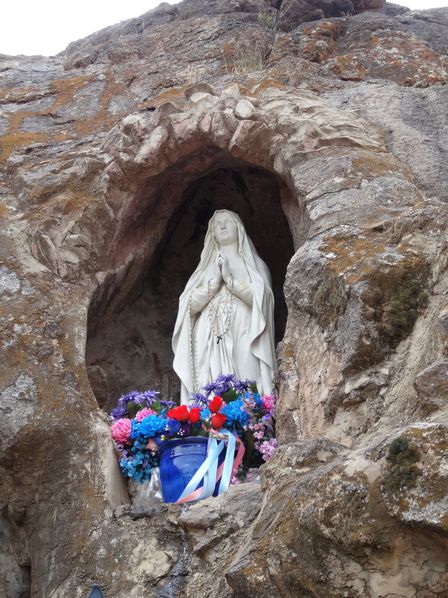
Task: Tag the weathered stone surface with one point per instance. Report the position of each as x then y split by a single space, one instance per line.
337 539
414 483
373 46
17 405
430 26
331 530
432 386
169 550
395 9
294 12
9 281
415 123
363 5
125 142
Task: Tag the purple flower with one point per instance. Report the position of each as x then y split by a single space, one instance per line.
268 448
269 424
119 412
122 451
199 399
225 378
242 385
210 387
224 382
128 398
147 397
139 399
168 403
221 385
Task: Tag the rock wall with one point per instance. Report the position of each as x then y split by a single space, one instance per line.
101 147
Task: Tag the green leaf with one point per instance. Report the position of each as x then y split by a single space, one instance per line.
230 395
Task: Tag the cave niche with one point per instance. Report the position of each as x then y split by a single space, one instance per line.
129 344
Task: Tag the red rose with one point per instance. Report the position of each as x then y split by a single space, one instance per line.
195 414
180 413
218 420
215 404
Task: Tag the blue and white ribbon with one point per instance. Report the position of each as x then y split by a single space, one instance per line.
209 471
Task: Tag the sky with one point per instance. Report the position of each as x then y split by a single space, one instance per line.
48 26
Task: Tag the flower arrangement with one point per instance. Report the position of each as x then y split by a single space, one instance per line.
142 421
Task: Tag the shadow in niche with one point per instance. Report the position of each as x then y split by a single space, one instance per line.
133 349
15 568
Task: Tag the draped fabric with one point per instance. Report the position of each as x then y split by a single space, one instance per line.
247 348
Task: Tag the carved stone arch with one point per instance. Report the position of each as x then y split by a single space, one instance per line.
154 159
342 195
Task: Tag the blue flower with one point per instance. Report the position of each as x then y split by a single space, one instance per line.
253 399
149 426
138 467
173 426
205 413
236 413
257 399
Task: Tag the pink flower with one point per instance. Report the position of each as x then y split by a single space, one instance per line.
269 403
268 448
257 428
152 445
144 413
121 430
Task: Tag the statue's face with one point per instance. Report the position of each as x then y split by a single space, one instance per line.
225 229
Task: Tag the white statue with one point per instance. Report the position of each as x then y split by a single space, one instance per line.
225 323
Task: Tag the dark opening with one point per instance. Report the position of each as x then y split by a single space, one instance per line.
15 566
132 349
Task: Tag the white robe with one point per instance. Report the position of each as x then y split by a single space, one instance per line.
246 349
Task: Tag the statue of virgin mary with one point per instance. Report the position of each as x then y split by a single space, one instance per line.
225 322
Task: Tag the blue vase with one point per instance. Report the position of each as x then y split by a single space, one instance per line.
179 460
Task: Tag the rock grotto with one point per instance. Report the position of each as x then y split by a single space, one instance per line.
325 124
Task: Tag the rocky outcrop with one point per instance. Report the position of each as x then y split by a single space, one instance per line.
113 155
294 12
374 46
350 524
431 385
